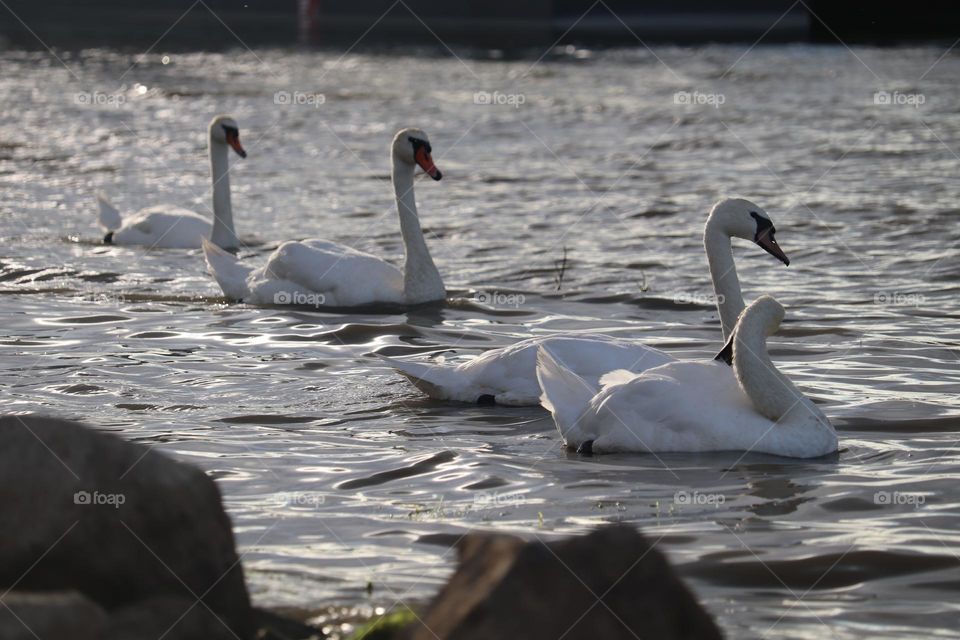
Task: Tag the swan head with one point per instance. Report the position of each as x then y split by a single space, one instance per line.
412 146
762 318
739 218
766 313
224 130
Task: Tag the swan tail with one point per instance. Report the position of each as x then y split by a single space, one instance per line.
229 273
108 216
425 377
564 394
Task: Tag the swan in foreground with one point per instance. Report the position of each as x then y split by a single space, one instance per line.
326 273
508 375
172 227
692 406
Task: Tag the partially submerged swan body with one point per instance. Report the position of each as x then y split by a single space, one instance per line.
692 406
508 375
172 227
325 273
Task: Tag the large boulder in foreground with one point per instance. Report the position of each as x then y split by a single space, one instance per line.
611 583
121 524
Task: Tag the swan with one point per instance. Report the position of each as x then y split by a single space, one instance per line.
321 272
172 227
508 375
691 406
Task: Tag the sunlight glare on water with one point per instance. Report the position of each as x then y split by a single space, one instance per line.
335 470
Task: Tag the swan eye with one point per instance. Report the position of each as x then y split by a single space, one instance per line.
764 225
230 130
417 143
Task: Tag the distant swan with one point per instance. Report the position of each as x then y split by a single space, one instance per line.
508 375
326 273
689 406
172 227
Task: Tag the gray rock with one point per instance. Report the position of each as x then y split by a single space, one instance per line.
51 615
120 523
169 617
609 584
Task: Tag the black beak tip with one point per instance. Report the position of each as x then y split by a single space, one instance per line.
242 154
786 262
436 176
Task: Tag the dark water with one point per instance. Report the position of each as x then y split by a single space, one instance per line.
337 474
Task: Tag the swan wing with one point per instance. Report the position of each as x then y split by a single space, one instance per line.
680 406
164 227
343 276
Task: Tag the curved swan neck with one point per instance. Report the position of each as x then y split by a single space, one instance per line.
723 272
771 392
223 234
421 279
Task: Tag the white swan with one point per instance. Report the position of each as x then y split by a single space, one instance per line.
692 406
172 227
320 272
508 375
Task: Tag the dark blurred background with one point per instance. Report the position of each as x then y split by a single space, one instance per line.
506 24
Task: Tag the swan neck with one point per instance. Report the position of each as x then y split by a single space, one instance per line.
771 392
223 234
723 272
421 279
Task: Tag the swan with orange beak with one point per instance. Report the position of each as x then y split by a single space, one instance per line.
321 273
173 227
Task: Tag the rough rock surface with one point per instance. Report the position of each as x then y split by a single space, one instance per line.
117 522
611 583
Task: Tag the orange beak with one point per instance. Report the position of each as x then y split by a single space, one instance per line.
422 156
233 139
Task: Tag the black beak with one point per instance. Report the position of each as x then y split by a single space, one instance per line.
726 354
766 240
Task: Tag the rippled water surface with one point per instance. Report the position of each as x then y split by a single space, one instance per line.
339 476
